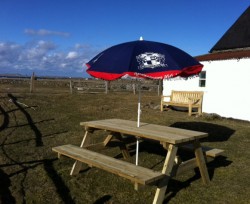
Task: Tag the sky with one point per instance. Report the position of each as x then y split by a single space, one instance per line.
57 37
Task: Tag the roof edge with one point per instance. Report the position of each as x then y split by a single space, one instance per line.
225 55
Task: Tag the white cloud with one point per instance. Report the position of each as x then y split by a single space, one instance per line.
43 57
72 55
44 32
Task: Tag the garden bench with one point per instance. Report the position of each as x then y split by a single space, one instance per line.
189 99
136 174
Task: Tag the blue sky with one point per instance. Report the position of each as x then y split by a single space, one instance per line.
57 37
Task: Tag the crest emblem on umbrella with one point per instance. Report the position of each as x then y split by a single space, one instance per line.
150 60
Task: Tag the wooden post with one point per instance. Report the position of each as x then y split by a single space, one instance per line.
107 86
32 83
70 86
133 88
160 87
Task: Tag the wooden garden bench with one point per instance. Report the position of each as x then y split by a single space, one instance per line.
189 99
136 174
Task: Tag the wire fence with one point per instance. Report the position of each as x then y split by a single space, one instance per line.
78 85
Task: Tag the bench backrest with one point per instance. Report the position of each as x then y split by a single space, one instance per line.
185 96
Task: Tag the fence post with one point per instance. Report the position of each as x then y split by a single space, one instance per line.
133 85
32 83
107 86
70 86
160 87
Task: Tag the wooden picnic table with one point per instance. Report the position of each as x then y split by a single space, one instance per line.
171 139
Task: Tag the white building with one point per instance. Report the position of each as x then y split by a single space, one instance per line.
225 77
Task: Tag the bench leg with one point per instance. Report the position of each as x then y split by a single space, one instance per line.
122 146
199 111
201 162
189 109
78 165
167 169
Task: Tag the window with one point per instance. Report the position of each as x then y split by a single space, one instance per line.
202 79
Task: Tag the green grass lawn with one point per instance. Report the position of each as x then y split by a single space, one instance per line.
31 173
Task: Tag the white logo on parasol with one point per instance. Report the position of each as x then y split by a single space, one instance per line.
151 60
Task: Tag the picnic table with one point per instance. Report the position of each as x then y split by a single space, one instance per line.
169 137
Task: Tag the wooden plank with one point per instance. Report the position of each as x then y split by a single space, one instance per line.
213 152
179 104
129 123
150 131
125 169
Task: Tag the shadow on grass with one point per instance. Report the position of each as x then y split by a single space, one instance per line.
6 119
62 189
216 133
175 186
103 199
38 134
27 140
5 194
24 167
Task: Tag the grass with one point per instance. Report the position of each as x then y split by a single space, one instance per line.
31 173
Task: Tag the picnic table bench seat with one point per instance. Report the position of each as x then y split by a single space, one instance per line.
188 99
184 166
208 151
136 174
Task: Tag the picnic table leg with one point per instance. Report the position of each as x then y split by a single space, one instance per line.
108 139
167 169
78 165
200 159
122 146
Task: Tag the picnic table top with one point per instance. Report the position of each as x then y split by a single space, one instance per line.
149 131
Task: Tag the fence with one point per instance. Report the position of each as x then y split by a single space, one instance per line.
113 86
81 85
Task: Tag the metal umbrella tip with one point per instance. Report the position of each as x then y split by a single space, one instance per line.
141 38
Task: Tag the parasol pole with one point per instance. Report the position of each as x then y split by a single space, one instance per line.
139 104
138 117
138 120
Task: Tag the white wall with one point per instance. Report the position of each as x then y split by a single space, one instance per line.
227 90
